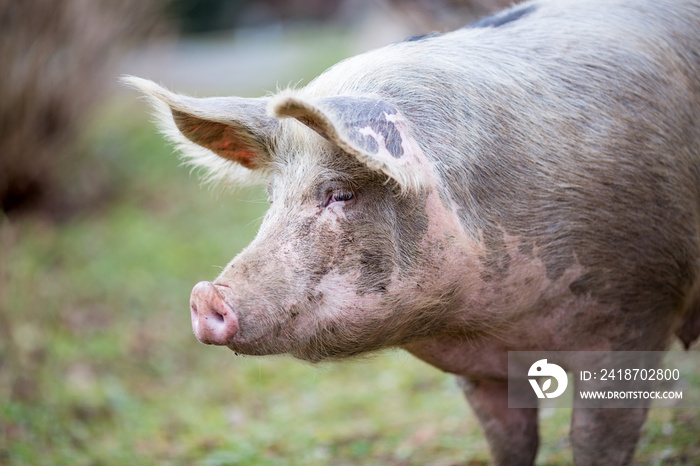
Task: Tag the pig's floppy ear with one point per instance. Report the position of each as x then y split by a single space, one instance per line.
372 130
213 132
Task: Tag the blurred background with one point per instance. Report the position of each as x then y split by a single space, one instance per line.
103 234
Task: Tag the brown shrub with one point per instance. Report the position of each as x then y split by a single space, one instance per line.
57 59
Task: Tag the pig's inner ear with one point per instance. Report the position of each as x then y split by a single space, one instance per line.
231 140
234 128
372 130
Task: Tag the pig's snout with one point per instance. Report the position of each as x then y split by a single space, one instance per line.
213 321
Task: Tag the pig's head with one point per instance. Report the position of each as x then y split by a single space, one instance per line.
349 258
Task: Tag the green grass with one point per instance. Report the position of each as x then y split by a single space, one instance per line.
98 364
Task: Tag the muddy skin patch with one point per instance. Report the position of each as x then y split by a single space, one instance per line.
496 262
525 248
403 223
320 249
411 227
376 266
369 244
360 241
380 232
371 224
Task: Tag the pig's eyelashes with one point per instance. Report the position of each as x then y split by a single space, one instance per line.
335 191
342 196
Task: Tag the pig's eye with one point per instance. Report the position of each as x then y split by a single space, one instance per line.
334 191
339 196
342 197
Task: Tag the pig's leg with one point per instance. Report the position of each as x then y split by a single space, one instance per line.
605 435
511 432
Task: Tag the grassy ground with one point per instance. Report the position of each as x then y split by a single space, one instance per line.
98 364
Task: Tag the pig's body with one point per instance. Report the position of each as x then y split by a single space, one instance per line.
530 183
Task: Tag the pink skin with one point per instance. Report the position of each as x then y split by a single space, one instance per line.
213 320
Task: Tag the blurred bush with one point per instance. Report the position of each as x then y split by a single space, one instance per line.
57 58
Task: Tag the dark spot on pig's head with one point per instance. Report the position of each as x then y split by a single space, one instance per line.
503 18
421 37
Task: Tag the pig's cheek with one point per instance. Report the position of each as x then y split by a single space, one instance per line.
341 302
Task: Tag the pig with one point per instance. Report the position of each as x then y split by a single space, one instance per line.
529 182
